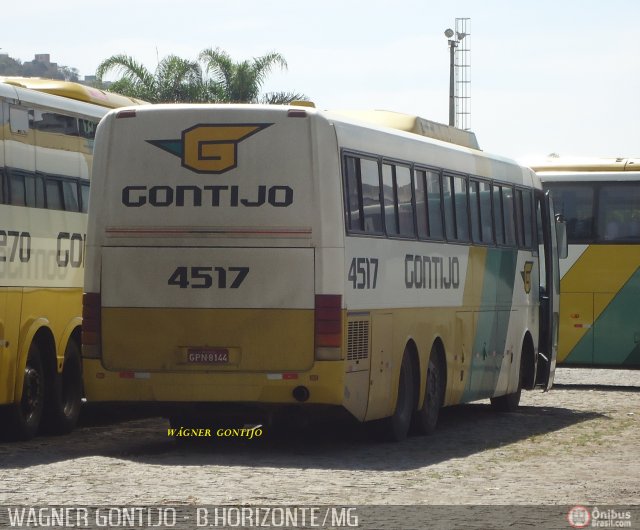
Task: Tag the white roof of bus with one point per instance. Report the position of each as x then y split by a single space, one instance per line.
413 124
383 121
34 97
71 90
589 176
583 164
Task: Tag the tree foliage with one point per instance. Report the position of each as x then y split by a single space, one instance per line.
174 80
222 80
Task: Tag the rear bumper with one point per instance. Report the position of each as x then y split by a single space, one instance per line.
324 381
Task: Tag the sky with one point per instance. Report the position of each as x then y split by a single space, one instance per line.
550 76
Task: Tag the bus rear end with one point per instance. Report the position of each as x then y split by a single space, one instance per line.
204 243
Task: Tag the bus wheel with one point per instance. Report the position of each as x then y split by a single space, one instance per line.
24 417
425 419
396 427
65 397
510 402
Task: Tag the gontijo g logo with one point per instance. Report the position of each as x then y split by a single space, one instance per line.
208 148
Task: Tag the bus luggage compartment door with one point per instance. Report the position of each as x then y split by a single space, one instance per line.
240 308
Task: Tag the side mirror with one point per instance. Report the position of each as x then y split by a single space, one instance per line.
561 236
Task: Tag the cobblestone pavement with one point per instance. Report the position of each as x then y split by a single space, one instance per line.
577 444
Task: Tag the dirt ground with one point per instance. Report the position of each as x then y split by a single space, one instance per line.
577 444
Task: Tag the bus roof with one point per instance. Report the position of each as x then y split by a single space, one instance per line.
71 90
589 176
585 164
414 124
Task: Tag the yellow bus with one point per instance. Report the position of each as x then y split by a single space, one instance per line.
46 145
600 200
253 260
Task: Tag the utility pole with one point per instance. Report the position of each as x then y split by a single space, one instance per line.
453 44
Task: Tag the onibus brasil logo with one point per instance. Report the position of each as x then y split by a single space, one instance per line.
210 148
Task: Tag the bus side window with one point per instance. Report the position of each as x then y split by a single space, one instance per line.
619 212
34 188
404 192
19 120
84 196
353 194
447 197
576 202
53 122
372 208
434 205
519 219
527 212
390 200
509 216
421 203
486 213
497 214
54 194
87 128
461 204
70 194
17 192
474 211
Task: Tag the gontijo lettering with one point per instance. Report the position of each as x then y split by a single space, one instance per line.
431 272
214 196
210 148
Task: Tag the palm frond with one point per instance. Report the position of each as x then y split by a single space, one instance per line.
282 98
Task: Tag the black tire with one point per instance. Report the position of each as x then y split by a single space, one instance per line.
24 418
62 408
396 427
510 402
426 419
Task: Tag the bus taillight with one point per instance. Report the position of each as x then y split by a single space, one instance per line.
328 326
91 304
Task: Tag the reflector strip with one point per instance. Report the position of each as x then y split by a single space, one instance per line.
134 375
281 377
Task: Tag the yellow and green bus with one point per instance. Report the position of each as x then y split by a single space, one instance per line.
46 151
600 286
260 260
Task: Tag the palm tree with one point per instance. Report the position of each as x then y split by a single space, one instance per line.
240 82
179 80
175 80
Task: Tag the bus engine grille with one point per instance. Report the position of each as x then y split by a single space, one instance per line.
358 340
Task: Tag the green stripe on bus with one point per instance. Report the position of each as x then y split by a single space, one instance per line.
493 323
615 335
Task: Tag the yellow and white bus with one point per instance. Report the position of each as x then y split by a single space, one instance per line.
245 257
46 145
600 200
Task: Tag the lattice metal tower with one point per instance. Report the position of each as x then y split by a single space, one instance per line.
462 74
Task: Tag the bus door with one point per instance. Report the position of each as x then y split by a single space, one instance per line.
549 290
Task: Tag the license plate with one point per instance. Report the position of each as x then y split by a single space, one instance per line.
207 356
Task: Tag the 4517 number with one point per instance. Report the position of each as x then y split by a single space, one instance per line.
208 277
363 273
